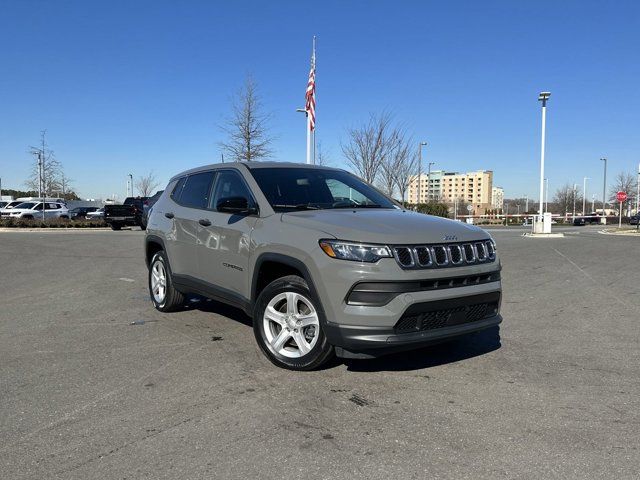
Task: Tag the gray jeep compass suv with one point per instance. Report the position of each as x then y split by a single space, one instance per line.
323 262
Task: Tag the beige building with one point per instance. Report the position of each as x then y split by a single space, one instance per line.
472 188
497 197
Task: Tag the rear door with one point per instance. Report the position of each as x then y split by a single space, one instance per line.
189 199
224 245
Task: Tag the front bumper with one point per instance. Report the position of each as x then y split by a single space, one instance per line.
420 324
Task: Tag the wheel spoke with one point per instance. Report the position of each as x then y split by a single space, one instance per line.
275 316
154 276
301 342
292 303
280 340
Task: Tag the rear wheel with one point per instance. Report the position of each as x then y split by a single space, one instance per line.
163 295
288 327
116 226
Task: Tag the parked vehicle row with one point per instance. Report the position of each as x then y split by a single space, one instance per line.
30 210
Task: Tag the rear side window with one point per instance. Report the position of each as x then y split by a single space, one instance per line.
196 190
177 190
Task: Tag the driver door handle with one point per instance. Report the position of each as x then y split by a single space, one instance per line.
204 222
168 215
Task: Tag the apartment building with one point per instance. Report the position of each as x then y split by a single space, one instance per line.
473 188
497 197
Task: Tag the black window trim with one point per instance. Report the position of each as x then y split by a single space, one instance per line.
252 198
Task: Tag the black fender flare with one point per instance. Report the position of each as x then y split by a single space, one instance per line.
291 262
152 239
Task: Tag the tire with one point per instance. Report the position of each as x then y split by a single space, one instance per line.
116 226
171 299
290 334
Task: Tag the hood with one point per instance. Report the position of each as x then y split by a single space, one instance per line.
385 226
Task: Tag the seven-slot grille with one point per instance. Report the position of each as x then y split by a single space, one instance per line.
448 255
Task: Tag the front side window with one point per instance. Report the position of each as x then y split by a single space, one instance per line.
289 189
230 184
38 207
196 190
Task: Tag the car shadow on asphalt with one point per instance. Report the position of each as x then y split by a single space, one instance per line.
462 348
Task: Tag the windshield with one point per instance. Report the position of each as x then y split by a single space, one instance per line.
26 205
290 189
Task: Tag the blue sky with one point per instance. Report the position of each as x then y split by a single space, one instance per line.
133 86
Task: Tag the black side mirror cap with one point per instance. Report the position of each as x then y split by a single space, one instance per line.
237 205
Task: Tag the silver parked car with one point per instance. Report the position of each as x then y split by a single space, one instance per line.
322 261
38 210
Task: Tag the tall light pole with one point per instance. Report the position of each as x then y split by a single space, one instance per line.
422 144
429 180
526 206
604 186
584 194
131 184
575 189
543 97
638 194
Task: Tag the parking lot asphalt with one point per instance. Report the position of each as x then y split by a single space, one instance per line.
95 384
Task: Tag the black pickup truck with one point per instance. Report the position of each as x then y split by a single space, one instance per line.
128 214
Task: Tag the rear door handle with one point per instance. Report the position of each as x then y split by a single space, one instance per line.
204 222
169 215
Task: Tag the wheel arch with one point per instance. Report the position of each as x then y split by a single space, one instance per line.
288 266
152 245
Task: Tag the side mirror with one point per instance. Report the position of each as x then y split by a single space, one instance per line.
238 205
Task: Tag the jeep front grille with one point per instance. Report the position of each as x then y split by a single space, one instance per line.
449 255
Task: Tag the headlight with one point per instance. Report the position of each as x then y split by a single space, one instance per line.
357 252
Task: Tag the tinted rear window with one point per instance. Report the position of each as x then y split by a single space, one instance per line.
196 190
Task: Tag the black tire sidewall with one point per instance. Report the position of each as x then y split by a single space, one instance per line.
318 354
160 257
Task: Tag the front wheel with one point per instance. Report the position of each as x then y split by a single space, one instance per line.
116 226
287 325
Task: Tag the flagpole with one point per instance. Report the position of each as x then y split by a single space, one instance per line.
308 138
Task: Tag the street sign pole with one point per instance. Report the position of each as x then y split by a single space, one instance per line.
621 197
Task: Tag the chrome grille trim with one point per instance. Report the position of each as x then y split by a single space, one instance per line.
421 253
444 255
440 251
401 253
455 254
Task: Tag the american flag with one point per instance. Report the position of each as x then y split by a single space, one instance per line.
311 91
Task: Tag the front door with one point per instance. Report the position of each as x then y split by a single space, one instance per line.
224 246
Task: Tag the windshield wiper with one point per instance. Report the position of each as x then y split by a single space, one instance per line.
299 206
367 205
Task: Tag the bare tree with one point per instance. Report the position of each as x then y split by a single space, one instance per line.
146 185
403 166
624 182
46 169
368 146
565 198
321 157
248 137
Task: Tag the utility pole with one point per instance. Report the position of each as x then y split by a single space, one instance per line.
604 186
584 194
575 188
638 193
429 181
420 145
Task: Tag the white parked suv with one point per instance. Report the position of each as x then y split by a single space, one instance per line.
35 210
